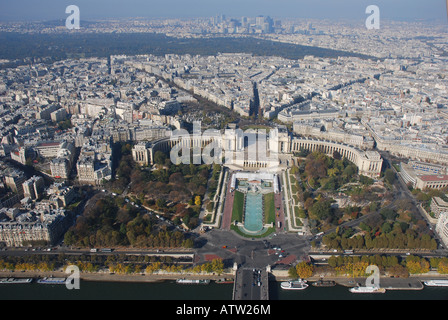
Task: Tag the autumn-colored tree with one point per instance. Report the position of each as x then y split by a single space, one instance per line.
359 268
443 267
153 267
413 267
417 266
304 270
217 266
353 269
315 168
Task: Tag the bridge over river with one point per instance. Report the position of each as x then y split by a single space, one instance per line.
251 284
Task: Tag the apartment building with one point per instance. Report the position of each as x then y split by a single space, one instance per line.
33 187
438 205
19 229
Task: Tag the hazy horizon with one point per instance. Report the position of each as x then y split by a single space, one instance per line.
40 10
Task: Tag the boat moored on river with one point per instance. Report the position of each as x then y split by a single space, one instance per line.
224 281
16 280
436 283
324 283
192 281
51 280
294 285
371 289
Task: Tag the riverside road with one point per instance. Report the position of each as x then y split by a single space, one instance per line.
279 248
254 253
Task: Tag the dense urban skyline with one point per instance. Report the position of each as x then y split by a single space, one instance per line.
322 9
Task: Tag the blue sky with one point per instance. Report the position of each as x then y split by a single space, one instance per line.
33 10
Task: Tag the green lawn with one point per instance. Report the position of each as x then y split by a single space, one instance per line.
238 206
269 208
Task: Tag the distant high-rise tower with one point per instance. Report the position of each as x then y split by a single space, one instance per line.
217 20
259 21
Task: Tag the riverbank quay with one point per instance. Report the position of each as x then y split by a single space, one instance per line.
113 277
387 283
414 282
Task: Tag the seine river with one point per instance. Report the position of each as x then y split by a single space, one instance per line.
169 290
